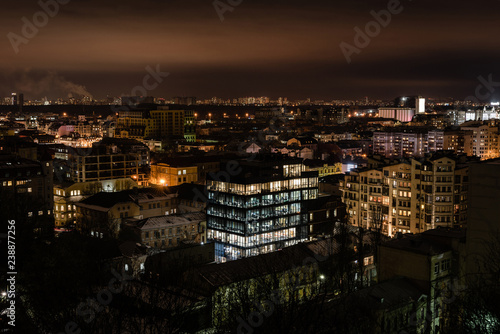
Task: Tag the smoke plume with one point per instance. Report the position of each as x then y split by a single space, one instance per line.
36 84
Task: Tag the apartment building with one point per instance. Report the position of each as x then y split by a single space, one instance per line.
409 196
155 124
26 192
485 138
407 141
458 141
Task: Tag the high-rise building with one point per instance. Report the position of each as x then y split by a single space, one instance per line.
483 231
408 196
185 100
408 141
259 205
458 141
420 105
189 126
26 191
154 124
485 138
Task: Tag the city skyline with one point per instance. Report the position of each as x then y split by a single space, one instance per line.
232 166
249 49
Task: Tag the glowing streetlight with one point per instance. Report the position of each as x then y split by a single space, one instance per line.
162 182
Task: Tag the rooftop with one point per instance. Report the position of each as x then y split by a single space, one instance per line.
170 220
417 244
136 195
390 293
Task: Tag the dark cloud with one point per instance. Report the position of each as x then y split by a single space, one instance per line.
275 48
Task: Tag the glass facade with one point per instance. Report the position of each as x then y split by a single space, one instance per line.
255 218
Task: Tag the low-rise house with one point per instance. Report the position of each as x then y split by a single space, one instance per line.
168 231
103 213
173 174
67 194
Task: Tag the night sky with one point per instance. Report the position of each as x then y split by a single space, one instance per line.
272 48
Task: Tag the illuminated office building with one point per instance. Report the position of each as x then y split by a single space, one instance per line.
258 206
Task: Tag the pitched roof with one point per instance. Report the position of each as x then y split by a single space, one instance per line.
191 191
108 200
417 244
170 220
